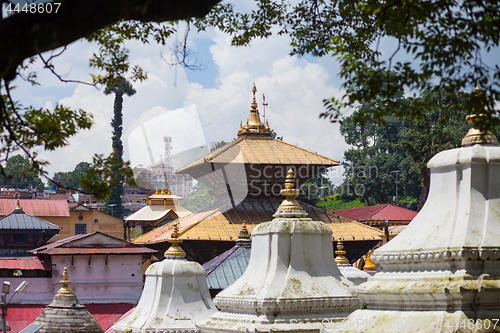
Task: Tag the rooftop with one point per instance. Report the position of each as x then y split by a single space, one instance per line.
377 213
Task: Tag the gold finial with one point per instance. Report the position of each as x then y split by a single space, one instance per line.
162 189
241 127
175 251
290 204
369 265
156 191
65 289
247 126
477 134
168 192
244 232
267 128
340 258
18 206
254 101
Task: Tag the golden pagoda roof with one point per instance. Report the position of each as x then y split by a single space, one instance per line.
211 224
261 151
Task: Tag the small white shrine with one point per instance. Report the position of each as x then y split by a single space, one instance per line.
292 283
175 296
442 273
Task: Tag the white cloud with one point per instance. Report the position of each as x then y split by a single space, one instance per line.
294 89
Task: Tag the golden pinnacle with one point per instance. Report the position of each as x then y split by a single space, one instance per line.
475 134
65 289
290 204
175 251
369 265
340 258
243 234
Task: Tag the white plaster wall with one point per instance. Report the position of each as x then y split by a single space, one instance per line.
39 290
117 281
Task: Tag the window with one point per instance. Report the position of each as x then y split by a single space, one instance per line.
80 229
96 221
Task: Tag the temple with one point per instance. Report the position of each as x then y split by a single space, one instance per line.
246 176
160 209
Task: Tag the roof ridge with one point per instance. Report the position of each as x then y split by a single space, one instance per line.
308 151
224 148
233 249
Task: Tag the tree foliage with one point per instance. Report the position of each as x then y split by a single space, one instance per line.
18 173
401 144
201 198
115 197
443 39
72 179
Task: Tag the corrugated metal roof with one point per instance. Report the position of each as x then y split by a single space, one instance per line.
18 220
70 246
25 263
214 225
378 213
227 267
104 250
261 151
36 207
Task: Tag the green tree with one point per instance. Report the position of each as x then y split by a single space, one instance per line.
400 144
315 189
115 197
72 180
201 198
442 44
65 179
18 173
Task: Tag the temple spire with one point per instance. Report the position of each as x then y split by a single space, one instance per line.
65 289
175 251
340 258
477 134
254 125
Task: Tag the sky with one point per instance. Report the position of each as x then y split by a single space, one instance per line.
194 107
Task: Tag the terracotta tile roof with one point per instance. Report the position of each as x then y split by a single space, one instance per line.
25 263
261 151
36 207
377 213
214 225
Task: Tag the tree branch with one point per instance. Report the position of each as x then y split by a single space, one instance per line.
25 34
